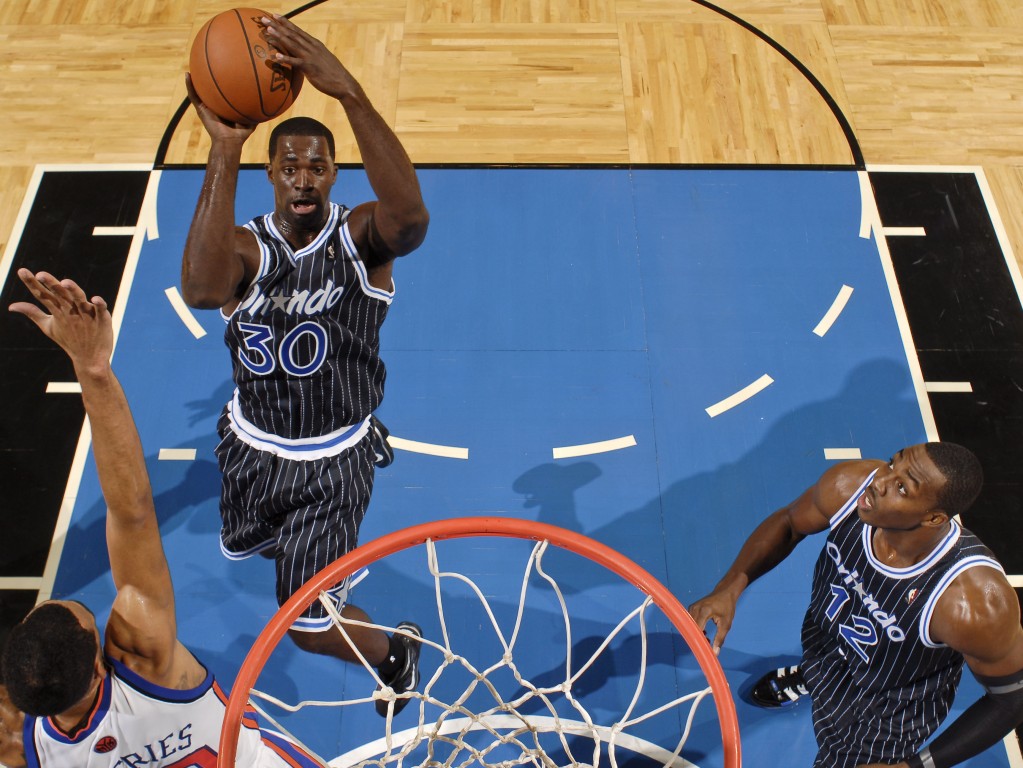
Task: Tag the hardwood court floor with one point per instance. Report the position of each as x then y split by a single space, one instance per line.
553 81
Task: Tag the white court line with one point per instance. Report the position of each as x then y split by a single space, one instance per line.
444 451
904 232
842 454
948 386
112 231
67 505
1000 231
902 320
868 209
741 396
63 387
834 311
184 313
587 449
21 582
1016 581
177 454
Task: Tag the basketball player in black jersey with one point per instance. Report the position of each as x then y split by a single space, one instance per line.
304 291
902 595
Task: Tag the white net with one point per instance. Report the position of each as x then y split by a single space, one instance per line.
488 708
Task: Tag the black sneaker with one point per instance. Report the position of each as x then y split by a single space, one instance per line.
407 677
781 688
382 450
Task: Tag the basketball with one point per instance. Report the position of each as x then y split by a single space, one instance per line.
232 70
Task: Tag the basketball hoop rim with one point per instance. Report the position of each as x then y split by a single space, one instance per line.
463 527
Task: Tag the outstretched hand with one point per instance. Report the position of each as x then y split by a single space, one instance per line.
300 50
216 126
82 327
719 608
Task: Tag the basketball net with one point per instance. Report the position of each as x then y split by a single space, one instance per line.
546 723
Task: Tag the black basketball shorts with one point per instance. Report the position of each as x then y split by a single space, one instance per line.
305 514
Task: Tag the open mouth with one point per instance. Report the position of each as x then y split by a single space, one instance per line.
303 207
865 501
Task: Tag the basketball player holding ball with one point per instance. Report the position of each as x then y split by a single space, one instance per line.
304 291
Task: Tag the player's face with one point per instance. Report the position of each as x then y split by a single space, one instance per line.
302 173
903 495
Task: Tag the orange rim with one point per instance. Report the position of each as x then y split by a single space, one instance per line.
463 527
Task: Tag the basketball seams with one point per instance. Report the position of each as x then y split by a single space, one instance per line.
226 73
213 76
252 62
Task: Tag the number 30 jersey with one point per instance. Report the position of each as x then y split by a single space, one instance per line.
305 342
136 724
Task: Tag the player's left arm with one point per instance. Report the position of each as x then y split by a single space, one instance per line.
12 721
395 223
141 630
979 616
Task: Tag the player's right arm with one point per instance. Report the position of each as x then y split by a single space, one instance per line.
774 539
12 721
220 259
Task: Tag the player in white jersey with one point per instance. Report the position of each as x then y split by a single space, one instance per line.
880 688
304 290
134 695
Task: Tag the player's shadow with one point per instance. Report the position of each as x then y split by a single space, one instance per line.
191 500
208 409
703 519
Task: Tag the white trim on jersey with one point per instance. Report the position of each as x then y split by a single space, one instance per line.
360 268
965 564
248 552
850 505
298 449
249 295
939 551
320 239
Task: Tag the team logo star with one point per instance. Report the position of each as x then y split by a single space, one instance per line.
280 301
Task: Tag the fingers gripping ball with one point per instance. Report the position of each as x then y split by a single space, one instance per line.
233 71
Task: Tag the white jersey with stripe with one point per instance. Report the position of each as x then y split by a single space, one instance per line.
877 678
305 342
136 724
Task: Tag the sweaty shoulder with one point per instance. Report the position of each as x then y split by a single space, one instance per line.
840 482
979 616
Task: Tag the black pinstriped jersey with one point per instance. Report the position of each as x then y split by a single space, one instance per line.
876 676
305 338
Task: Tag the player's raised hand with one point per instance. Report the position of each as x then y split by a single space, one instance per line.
81 326
216 126
298 49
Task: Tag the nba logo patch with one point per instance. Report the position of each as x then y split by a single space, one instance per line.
104 745
912 596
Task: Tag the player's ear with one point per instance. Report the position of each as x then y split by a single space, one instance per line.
269 173
936 517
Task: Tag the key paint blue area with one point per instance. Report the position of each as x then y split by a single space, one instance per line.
553 308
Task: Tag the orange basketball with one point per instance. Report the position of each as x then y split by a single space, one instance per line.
232 70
